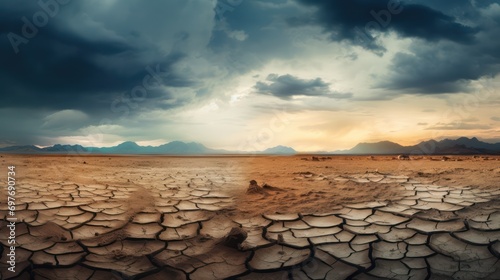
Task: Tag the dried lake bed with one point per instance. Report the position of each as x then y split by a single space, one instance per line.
340 217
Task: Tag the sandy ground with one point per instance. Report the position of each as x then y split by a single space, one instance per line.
312 217
305 185
315 194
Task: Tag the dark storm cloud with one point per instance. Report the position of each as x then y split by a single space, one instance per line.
461 8
141 64
447 67
59 68
287 86
358 21
63 72
81 64
452 42
264 35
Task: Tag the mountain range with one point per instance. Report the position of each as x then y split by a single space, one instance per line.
128 147
463 145
460 146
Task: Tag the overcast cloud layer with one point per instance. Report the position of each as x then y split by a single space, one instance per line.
315 75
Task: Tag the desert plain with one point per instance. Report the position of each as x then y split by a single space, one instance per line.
303 217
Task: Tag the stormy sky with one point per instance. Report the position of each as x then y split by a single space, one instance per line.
248 74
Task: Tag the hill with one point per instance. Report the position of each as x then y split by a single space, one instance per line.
460 146
129 147
280 150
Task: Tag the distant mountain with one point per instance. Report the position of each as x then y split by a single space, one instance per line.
460 146
22 149
58 148
463 145
178 148
172 148
279 150
124 148
128 147
384 147
469 143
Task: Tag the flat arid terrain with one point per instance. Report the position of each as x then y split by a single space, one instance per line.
251 217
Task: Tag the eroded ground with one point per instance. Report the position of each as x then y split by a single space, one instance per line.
334 218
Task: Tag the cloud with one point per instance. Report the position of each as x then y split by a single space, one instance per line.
288 86
445 66
99 61
178 70
253 33
497 119
87 55
65 119
359 21
458 126
439 68
25 128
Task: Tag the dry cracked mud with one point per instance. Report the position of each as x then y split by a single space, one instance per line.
171 225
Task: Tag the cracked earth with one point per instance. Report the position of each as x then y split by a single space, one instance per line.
164 218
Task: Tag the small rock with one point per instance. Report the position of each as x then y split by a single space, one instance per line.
235 237
280 240
254 188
